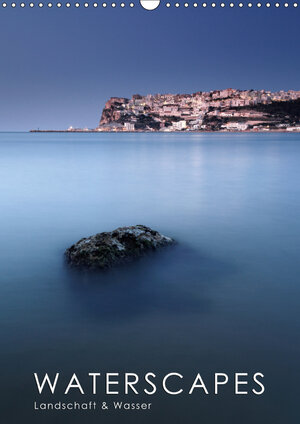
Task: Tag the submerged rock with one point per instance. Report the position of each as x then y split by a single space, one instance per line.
108 249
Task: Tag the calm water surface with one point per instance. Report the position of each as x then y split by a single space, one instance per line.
225 299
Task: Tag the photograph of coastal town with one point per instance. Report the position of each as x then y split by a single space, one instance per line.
217 110
150 201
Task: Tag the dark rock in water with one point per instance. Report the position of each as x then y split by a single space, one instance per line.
105 250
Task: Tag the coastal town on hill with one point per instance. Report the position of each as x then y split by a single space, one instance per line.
220 110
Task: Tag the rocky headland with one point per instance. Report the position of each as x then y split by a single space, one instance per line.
228 110
108 249
218 110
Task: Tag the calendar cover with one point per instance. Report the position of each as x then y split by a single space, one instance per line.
150 201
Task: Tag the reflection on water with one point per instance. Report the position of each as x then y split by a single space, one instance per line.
145 287
225 298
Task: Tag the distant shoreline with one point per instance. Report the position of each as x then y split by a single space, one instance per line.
166 132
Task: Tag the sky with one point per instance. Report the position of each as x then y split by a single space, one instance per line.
58 67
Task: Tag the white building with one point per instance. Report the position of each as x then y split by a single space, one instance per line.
129 126
236 126
180 125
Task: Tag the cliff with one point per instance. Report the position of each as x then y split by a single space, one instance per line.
112 110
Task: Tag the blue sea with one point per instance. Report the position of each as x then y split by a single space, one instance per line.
224 299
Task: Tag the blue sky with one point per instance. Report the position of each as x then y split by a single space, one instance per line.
59 66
